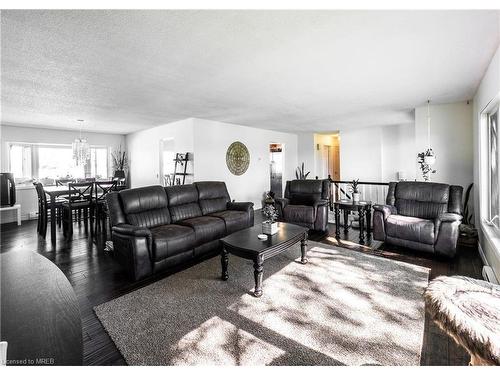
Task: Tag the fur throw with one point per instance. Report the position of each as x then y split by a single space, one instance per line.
469 311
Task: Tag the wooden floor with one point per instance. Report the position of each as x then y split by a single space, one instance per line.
97 278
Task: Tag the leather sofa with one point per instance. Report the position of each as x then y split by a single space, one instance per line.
305 203
155 228
422 216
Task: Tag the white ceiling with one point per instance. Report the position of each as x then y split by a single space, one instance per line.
124 71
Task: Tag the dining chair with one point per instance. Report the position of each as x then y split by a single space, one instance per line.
80 198
101 189
64 181
44 210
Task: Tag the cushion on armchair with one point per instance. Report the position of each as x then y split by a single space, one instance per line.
410 228
299 214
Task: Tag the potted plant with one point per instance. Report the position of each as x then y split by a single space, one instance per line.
354 189
426 159
300 173
269 226
120 163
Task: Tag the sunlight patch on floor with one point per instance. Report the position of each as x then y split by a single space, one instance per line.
348 244
339 306
219 342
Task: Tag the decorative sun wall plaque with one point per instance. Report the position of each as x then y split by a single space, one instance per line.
237 158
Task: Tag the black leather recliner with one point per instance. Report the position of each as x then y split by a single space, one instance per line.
155 228
305 203
420 215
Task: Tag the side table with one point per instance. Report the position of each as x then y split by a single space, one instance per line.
364 209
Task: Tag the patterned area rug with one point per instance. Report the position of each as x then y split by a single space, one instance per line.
342 308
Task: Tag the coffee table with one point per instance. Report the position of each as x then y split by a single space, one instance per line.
246 244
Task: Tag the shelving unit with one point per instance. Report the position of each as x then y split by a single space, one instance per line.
180 170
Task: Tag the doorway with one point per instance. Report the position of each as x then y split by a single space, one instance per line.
276 169
334 158
327 156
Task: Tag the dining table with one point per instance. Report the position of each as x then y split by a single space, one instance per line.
57 191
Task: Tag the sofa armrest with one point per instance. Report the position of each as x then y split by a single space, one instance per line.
448 217
131 230
446 229
385 209
133 249
320 202
281 203
244 207
240 206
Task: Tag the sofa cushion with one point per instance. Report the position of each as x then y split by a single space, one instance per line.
298 214
213 196
234 220
169 240
146 206
206 228
410 228
183 202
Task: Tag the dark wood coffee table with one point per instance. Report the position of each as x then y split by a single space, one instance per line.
246 244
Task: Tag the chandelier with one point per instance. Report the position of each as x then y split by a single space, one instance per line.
81 148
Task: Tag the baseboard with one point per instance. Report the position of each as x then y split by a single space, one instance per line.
13 218
489 275
487 272
481 254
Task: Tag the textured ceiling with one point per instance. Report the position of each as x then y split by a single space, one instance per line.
124 71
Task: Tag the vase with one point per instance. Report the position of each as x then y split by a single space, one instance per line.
119 173
269 227
355 197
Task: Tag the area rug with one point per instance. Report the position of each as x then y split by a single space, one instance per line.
342 308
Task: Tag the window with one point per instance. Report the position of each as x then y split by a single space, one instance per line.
493 175
20 161
98 162
49 162
57 162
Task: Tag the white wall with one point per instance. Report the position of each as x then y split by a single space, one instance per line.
398 152
361 154
211 140
208 142
451 140
488 90
305 152
144 150
27 196
379 153
370 154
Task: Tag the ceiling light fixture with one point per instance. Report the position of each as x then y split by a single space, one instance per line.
430 156
81 148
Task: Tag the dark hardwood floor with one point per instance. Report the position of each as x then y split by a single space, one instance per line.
97 278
